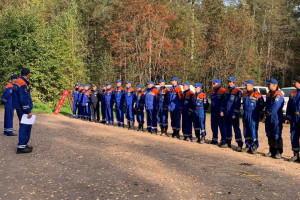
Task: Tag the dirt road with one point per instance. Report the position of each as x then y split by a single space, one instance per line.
75 159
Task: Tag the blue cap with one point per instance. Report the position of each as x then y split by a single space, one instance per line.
217 81
150 82
249 82
186 83
175 79
272 80
103 86
198 85
86 85
162 81
119 81
108 83
128 82
81 85
139 86
25 71
232 79
14 77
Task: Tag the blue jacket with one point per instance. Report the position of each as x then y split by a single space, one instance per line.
216 96
151 98
293 107
75 94
140 101
200 101
130 97
86 97
23 99
232 101
163 98
120 96
253 103
7 97
109 96
274 105
175 98
187 100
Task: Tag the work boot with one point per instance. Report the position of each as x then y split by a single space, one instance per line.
270 153
174 133
129 125
239 149
177 134
166 132
253 149
229 144
13 134
225 145
162 131
295 157
139 128
185 138
246 149
277 155
191 138
132 125
198 140
214 142
202 140
25 150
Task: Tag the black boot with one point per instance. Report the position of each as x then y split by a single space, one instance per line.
295 157
132 125
278 154
271 148
162 131
191 138
166 132
129 125
174 133
142 127
229 144
278 147
198 140
139 128
185 138
177 134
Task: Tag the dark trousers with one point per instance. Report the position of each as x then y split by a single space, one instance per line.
95 111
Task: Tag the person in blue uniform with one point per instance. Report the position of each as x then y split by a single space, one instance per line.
103 104
253 104
217 121
130 98
119 99
109 101
151 107
230 109
293 116
94 103
274 119
23 105
139 107
7 100
200 106
163 107
175 106
75 99
86 102
79 102
187 111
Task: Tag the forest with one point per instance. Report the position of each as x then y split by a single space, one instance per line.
96 41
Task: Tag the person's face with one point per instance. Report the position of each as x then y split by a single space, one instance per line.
108 87
139 89
27 76
162 84
231 83
13 80
150 86
128 85
94 87
198 89
249 87
272 86
77 86
86 87
215 85
296 84
174 82
119 84
186 87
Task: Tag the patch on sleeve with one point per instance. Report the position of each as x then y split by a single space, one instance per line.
277 98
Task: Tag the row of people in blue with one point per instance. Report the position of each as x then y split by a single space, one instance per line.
17 96
188 110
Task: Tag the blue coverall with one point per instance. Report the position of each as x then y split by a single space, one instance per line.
109 102
139 106
163 104
187 113
119 108
175 107
200 105
75 100
7 100
151 109
130 98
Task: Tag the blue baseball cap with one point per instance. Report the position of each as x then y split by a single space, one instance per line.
272 80
86 85
232 79
217 81
150 82
103 86
198 85
162 81
128 82
139 86
15 77
108 83
175 79
25 71
249 82
186 83
119 81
